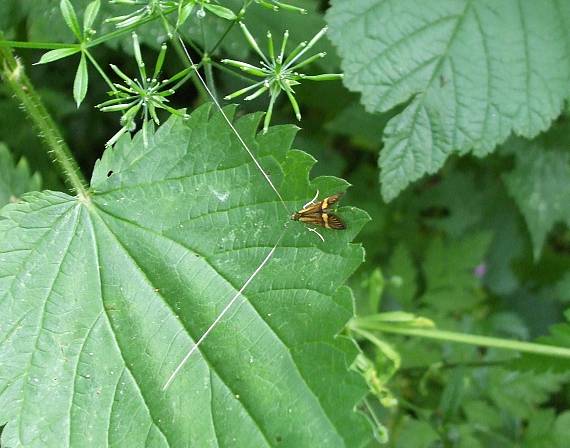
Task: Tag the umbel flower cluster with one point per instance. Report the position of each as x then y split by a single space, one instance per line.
145 94
279 73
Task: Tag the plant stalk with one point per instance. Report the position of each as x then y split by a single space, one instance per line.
12 72
450 336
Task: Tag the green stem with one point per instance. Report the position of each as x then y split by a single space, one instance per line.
449 336
210 76
35 45
221 39
197 84
127 30
100 71
452 365
207 62
15 78
238 75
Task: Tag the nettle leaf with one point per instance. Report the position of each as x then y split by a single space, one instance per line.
15 179
470 71
103 297
540 182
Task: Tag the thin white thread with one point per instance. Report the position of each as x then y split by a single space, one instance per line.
213 325
217 320
312 201
317 233
231 125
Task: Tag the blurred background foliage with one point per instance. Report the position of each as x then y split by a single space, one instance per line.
454 247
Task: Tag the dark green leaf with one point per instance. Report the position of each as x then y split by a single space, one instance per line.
540 183
559 336
15 180
451 272
471 72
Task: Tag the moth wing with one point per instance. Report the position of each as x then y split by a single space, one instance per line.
330 201
312 218
334 222
311 208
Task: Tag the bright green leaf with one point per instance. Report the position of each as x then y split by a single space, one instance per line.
15 179
540 183
91 13
220 11
471 71
184 12
105 296
81 81
70 17
55 55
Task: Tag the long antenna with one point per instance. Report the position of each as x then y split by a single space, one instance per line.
217 320
232 126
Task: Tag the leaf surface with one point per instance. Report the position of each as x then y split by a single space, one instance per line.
102 298
15 179
540 182
470 72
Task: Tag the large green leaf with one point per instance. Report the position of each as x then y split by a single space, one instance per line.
15 179
540 182
102 297
470 71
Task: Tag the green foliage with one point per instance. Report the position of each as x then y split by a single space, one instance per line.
539 182
559 336
15 179
103 292
451 272
177 227
471 72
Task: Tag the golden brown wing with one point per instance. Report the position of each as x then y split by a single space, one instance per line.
315 207
312 218
332 221
327 202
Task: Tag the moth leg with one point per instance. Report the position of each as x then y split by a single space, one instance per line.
312 201
311 229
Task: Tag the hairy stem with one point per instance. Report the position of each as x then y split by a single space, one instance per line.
13 74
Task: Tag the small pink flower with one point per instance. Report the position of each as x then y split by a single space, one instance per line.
480 270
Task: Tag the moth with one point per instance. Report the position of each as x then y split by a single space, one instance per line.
318 213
